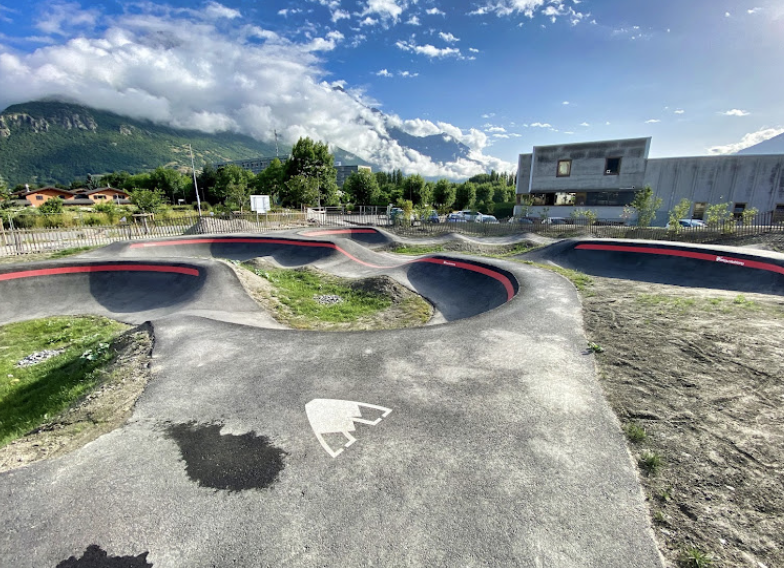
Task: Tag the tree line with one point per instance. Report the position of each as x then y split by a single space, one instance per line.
309 177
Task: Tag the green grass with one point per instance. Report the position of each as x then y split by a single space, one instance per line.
30 396
70 251
635 433
296 289
650 462
695 558
581 281
668 303
418 249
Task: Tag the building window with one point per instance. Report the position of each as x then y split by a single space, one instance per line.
564 168
39 197
778 214
738 210
699 210
612 167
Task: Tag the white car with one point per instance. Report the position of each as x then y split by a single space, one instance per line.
481 218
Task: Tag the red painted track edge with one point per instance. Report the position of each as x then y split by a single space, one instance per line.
99 268
710 257
504 280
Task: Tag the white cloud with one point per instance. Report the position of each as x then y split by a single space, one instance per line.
754 10
506 136
429 50
384 73
488 115
568 132
180 68
338 15
552 9
735 112
434 12
496 129
473 50
679 111
747 141
414 21
584 124
727 15
408 74
368 22
386 9
565 103
652 121
541 125
448 37
61 18
215 11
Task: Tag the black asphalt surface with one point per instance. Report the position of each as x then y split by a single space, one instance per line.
484 441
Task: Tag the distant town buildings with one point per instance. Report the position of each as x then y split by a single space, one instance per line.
604 176
85 196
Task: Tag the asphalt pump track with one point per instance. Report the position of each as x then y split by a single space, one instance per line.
483 440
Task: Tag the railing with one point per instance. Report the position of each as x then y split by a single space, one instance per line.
14 241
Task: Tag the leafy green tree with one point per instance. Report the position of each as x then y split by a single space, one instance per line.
361 187
301 190
51 207
484 194
718 216
444 193
588 214
227 175
466 196
680 211
526 204
645 205
117 180
148 201
207 179
270 180
314 160
748 216
169 181
415 190
238 195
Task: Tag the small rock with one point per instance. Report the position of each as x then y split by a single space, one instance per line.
328 299
39 357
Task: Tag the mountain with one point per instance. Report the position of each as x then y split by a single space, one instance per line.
773 145
49 142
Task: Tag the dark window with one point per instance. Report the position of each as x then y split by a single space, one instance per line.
778 214
699 210
738 210
39 197
612 167
564 168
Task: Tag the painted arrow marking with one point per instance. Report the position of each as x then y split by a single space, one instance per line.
330 416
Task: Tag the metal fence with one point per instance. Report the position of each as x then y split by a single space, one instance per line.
15 241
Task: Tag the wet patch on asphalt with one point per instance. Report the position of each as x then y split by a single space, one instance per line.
95 557
227 462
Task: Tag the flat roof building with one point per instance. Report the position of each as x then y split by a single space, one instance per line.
604 176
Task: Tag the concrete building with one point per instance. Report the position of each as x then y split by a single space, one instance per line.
604 176
345 171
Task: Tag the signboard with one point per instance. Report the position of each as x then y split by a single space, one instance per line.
260 203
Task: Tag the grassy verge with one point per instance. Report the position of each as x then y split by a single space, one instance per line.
580 280
35 256
418 249
30 396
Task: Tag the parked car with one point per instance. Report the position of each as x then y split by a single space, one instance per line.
430 217
455 218
396 214
469 215
521 220
691 223
482 218
555 221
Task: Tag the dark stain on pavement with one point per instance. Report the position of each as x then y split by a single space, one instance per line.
95 557
227 462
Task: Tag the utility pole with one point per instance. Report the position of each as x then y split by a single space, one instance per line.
277 154
195 185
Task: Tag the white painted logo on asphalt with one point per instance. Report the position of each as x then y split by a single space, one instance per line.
329 416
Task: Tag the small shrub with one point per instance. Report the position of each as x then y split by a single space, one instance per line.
595 348
650 462
92 220
635 433
696 558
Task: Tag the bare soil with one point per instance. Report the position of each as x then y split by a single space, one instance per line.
702 372
107 407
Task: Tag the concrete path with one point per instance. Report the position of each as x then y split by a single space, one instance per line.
485 441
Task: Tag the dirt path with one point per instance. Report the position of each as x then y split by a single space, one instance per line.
702 372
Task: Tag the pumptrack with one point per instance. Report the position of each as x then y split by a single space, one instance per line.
485 440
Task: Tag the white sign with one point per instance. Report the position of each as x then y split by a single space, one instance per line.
260 203
329 416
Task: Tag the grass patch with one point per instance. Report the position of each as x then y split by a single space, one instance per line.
635 433
70 252
30 396
696 558
297 292
581 281
667 303
418 249
650 463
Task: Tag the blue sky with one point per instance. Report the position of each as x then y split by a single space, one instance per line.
500 75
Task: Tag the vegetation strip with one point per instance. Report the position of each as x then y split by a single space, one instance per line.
29 396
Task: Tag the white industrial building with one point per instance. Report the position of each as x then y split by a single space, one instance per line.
604 176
